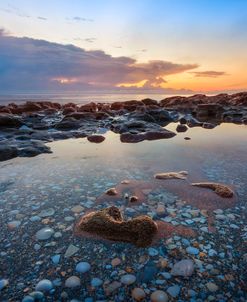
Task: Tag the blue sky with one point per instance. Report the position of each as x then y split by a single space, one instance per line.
210 34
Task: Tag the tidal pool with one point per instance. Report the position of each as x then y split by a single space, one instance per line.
52 191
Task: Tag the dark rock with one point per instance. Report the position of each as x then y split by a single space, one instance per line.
35 149
151 135
96 138
208 125
68 124
149 102
8 120
91 107
181 128
7 152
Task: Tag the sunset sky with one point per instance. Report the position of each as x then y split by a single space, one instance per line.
162 45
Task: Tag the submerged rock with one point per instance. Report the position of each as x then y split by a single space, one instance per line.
44 285
128 279
73 282
44 233
220 189
184 268
159 296
109 224
83 267
171 175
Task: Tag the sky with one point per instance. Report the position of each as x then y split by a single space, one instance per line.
172 46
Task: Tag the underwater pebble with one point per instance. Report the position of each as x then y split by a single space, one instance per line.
138 294
184 268
95 282
3 283
128 279
44 233
73 282
44 285
82 267
192 250
159 296
173 290
71 250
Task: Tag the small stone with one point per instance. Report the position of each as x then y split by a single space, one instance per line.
159 296
133 199
77 209
44 285
153 252
173 290
111 192
73 282
82 267
47 213
44 233
109 289
184 268
138 294
212 287
55 259
128 279
71 250
192 250
95 282
115 262
12 225
3 283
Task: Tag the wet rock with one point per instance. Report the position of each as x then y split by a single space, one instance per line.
71 250
109 224
12 225
115 262
152 252
47 212
151 135
128 279
9 121
77 209
73 282
55 259
212 287
44 234
44 285
192 250
184 268
133 199
96 138
138 294
95 282
173 290
111 192
171 175
220 189
112 287
8 152
159 296
181 128
3 283
82 267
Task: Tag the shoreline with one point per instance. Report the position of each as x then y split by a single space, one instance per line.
25 128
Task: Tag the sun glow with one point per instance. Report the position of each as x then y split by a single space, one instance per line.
137 85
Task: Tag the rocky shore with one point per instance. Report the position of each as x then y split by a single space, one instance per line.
25 128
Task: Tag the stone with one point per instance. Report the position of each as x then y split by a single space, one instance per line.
73 282
95 282
159 296
47 212
115 262
172 175
109 224
3 283
12 225
96 138
8 152
220 189
128 279
71 250
152 252
44 285
82 267
111 192
212 287
173 290
138 294
133 199
181 128
77 209
184 268
192 250
44 234
112 287
55 259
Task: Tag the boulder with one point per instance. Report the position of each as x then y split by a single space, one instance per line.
96 138
9 121
7 152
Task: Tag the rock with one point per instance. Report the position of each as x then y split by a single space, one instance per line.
95 282
152 252
44 234
212 287
220 189
112 287
133 199
96 138
73 282
159 296
111 192
55 259
44 285
71 250
171 175
77 209
173 290
82 267
115 262
8 152
12 225
192 250
181 128
184 268
3 283
47 212
128 279
109 224
150 135
149 102
10 121
138 294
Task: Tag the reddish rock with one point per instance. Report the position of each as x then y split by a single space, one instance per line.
68 110
91 107
181 128
96 138
149 102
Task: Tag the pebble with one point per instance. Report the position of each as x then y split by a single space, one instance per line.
212 287
128 279
55 259
159 296
173 290
71 250
115 262
47 213
192 250
95 282
3 283
73 282
12 225
44 285
153 252
44 233
109 289
82 267
138 294
77 209
184 268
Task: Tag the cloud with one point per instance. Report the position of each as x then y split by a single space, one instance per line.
42 18
208 74
80 19
31 64
15 11
89 40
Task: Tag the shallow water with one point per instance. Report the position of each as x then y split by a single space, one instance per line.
78 172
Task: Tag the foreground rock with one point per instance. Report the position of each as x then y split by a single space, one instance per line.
172 175
220 189
109 224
